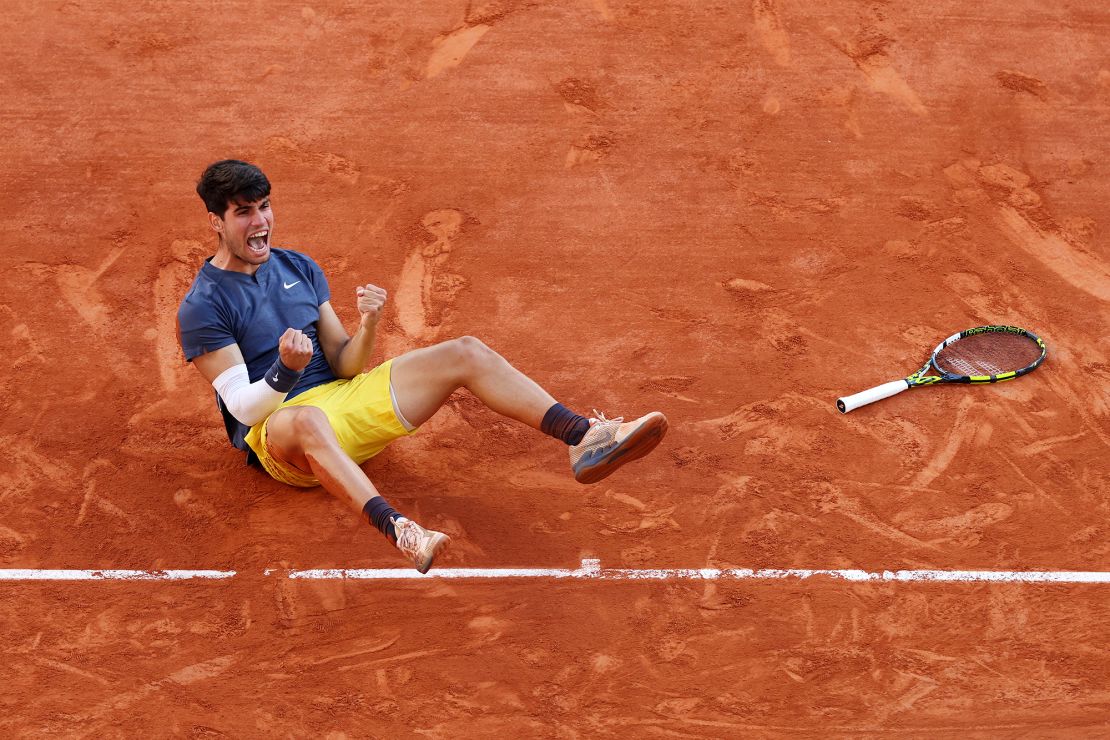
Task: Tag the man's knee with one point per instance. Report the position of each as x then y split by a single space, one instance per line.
471 351
312 428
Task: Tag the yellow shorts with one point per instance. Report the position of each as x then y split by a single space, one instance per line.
360 411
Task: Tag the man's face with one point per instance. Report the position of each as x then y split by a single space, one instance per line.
245 230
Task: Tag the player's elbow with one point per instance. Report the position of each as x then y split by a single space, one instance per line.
245 415
340 366
341 370
248 402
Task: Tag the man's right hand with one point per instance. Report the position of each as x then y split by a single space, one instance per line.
295 349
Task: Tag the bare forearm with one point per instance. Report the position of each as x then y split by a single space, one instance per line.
355 354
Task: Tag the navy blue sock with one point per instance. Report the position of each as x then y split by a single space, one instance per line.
562 423
379 512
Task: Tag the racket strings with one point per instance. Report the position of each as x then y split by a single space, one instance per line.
988 354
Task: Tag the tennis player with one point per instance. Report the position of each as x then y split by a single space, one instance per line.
291 384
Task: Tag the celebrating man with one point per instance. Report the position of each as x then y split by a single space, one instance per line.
259 326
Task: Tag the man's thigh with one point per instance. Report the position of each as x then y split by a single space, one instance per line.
424 379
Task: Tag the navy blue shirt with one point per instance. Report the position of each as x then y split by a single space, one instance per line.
224 307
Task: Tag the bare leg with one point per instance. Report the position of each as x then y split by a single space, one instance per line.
425 378
301 436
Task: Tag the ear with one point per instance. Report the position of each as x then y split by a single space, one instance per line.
216 222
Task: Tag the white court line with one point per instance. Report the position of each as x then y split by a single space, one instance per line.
590 570
112 575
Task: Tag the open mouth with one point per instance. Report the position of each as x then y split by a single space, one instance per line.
259 241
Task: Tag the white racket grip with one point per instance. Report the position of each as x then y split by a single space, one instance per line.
871 395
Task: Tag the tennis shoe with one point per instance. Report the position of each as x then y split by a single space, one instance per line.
610 443
420 545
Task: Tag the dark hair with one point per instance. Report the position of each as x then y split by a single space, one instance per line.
228 180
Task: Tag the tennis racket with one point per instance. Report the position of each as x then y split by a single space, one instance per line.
985 354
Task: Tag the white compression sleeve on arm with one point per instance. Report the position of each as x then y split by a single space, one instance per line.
248 402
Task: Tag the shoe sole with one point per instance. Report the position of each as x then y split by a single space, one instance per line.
439 542
639 442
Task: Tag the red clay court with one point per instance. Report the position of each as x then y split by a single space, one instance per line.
730 212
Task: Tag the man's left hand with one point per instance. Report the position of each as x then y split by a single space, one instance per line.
371 298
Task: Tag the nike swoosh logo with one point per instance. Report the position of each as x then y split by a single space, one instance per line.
275 378
290 285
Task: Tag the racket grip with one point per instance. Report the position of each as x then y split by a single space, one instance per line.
871 395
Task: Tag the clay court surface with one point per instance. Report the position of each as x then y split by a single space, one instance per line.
730 212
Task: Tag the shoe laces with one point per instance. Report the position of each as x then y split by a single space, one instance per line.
409 536
601 435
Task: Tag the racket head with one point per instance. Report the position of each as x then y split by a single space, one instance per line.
985 354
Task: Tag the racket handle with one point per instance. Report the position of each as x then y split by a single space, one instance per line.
871 395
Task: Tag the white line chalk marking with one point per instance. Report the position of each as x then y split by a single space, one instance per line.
112 575
590 570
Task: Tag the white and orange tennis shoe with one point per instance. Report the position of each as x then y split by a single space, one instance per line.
610 443
420 545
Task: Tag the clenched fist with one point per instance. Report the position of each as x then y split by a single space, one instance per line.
295 349
371 298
